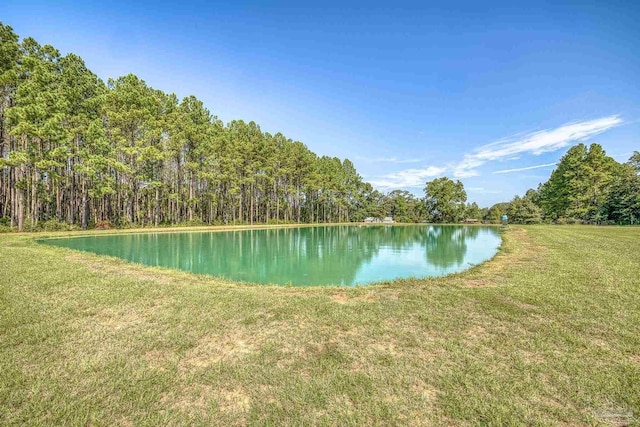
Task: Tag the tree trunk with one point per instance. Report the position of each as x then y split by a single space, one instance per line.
20 205
85 206
157 208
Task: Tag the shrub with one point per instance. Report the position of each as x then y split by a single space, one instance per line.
103 225
52 225
123 222
192 223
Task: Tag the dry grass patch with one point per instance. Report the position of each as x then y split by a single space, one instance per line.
232 400
476 332
115 320
125 422
519 249
352 296
202 400
340 298
160 359
211 349
193 400
479 283
113 267
531 357
427 392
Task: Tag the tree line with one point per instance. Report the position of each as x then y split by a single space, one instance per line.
77 150
586 187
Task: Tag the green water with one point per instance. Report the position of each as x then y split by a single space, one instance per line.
332 255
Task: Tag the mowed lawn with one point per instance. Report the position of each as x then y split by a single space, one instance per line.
547 333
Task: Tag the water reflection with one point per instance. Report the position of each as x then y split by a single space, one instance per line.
447 246
339 255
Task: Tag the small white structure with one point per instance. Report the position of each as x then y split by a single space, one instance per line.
371 219
388 220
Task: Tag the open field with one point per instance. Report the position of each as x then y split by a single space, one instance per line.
547 333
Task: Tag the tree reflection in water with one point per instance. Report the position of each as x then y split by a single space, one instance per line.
341 255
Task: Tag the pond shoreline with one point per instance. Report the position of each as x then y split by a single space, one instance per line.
338 254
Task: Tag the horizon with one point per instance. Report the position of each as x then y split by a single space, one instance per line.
491 97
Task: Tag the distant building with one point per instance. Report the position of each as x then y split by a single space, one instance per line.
388 220
471 221
371 219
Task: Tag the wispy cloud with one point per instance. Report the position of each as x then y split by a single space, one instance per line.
409 178
530 143
536 143
387 160
482 190
546 165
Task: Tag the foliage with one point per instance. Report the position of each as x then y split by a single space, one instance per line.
473 211
103 225
445 200
634 161
403 207
54 225
587 187
523 211
81 151
580 185
623 203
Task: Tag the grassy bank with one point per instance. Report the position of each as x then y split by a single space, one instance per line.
546 333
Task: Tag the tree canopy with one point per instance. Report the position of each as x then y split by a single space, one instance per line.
587 186
78 150
445 200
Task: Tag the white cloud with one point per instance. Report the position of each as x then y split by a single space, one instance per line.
535 143
526 169
482 190
409 178
531 143
464 173
466 168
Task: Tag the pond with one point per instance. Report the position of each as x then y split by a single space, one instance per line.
303 256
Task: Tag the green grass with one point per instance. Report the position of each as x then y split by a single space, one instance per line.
546 333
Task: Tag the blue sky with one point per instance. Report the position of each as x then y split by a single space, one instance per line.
492 93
